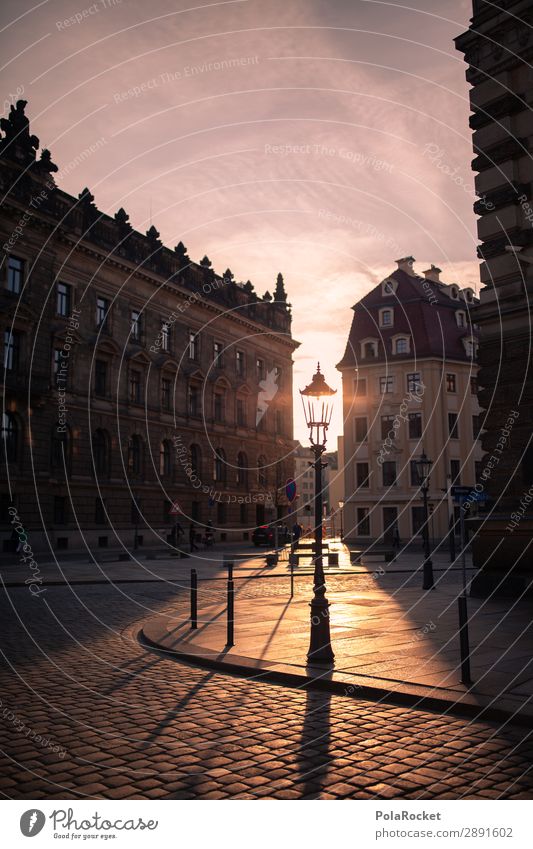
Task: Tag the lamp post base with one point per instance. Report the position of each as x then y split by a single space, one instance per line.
320 650
428 583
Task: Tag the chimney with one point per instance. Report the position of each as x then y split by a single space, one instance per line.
432 274
406 264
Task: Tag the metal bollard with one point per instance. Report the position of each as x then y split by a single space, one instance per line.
464 641
230 607
194 599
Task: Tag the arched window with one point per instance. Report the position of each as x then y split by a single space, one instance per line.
164 458
196 460
100 449
401 345
61 448
369 349
135 455
220 466
262 477
242 468
10 437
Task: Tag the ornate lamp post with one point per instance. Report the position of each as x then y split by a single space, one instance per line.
318 409
341 508
423 465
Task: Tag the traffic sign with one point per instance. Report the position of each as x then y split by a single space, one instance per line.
290 490
175 510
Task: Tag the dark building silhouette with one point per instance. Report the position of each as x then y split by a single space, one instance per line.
133 377
498 48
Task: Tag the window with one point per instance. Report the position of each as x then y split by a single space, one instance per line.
63 299
455 472
239 363
369 350
219 470
362 475
360 387
389 473
418 517
166 391
414 381
102 309
136 326
470 347
165 336
218 407
401 345
57 367
60 510
221 513
135 386
386 317
414 477
451 382
241 412
260 369
15 275
100 517
194 400
217 354
363 522
261 471
361 429
164 458
476 427
388 287
100 451
196 463
135 455
387 427
415 425
60 454
194 345
10 437
386 384
460 318
473 386
12 345
453 425
243 514
100 378
242 469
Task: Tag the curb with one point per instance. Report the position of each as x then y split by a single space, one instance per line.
245 667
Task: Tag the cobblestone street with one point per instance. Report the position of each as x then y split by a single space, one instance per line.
128 723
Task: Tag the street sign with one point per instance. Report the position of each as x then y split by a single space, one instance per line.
290 490
461 491
175 510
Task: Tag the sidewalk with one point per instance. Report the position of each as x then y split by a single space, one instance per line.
391 642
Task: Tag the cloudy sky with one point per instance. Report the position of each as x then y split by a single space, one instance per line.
319 138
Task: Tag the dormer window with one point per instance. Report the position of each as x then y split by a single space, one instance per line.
454 292
471 347
401 345
386 317
388 287
460 317
369 349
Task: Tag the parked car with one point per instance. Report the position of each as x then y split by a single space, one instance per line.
266 535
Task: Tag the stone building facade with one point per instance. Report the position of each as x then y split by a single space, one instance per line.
409 377
498 48
134 378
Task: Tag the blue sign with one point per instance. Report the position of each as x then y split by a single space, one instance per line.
290 490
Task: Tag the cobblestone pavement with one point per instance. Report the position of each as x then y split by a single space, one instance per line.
116 721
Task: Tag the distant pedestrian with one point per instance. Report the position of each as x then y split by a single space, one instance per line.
192 537
296 534
396 538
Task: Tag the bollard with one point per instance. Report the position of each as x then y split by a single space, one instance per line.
292 558
230 606
194 599
464 641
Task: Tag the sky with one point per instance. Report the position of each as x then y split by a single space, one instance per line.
320 138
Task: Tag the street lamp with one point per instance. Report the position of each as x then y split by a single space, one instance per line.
341 508
423 465
318 409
